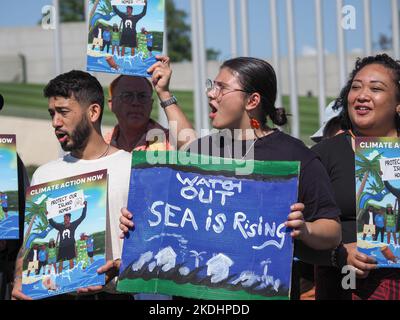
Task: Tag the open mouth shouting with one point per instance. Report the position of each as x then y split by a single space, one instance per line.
213 112
62 136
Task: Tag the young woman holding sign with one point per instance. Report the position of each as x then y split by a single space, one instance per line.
242 97
371 108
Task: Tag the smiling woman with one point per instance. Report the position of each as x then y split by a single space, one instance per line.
371 98
371 107
373 101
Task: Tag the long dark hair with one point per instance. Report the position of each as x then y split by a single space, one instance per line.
256 75
391 210
381 59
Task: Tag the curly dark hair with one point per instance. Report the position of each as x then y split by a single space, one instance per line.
381 59
80 85
256 75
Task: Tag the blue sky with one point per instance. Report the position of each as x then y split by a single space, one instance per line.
217 23
8 167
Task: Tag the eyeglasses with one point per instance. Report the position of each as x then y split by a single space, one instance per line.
130 97
215 89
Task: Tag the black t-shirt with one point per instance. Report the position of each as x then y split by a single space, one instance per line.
67 234
315 190
337 156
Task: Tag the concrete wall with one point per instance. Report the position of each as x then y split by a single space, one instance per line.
36 44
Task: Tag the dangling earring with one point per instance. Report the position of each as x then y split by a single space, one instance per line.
254 123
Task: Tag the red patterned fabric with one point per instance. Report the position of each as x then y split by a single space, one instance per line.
380 285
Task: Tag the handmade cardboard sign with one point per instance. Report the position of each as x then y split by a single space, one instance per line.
390 169
9 226
64 245
127 2
125 35
65 204
203 232
377 168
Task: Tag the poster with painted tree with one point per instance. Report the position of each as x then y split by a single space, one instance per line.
125 36
9 214
377 175
203 231
64 241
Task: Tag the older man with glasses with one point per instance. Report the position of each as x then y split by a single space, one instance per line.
131 101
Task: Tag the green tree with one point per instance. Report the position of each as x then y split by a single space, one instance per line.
376 188
35 211
367 168
179 44
72 10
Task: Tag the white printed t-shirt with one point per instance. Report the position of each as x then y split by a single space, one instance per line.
118 167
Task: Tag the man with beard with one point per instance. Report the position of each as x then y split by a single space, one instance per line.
76 103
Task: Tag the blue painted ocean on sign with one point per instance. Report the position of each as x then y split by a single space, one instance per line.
43 286
387 255
9 226
210 230
128 65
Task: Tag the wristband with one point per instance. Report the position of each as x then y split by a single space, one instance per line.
339 256
168 102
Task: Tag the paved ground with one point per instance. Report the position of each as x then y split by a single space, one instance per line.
36 142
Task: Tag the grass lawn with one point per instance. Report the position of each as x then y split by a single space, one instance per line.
26 100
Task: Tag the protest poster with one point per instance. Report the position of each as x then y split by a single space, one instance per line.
9 223
201 231
125 36
64 241
377 179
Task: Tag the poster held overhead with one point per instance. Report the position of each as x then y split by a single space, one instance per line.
125 35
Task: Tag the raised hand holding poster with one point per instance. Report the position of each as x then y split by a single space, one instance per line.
377 167
203 232
9 226
64 241
124 35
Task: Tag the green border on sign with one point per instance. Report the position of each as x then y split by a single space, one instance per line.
202 162
188 290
